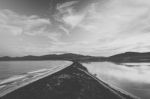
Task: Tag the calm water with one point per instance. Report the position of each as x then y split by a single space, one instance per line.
133 78
12 68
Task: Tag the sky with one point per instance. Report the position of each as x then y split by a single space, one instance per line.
88 27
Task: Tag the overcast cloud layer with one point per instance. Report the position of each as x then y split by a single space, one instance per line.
102 27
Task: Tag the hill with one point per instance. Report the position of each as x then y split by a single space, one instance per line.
67 56
130 57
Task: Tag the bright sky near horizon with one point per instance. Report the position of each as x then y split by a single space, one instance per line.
91 27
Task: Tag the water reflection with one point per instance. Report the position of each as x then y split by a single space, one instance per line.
133 78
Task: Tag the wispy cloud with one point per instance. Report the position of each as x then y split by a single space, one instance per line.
114 27
19 33
14 21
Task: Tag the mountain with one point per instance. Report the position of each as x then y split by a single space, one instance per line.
122 57
130 57
67 56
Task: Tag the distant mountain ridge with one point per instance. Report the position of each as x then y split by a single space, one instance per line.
122 57
131 57
67 56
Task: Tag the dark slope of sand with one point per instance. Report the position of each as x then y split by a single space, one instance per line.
73 82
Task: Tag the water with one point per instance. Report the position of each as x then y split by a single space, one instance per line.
12 68
131 77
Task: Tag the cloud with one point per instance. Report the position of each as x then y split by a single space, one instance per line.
68 15
97 28
114 27
105 28
19 33
14 21
66 4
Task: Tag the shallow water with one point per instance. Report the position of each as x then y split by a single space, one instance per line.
133 78
12 68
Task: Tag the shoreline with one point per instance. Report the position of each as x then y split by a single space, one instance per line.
74 80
